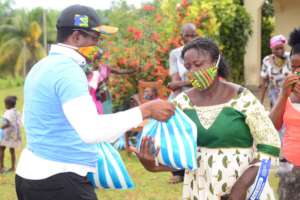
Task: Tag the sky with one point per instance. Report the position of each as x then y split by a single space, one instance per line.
60 4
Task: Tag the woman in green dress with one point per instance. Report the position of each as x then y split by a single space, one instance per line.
234 130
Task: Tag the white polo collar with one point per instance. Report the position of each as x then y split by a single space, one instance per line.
69 51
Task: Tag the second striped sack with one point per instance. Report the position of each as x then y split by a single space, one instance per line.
111 172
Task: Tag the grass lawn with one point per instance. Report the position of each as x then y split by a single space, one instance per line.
149 186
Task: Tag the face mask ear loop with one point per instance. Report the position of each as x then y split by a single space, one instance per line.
218 61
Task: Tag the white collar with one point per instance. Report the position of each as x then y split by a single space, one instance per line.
69 51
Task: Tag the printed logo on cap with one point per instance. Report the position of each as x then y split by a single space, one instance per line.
81 21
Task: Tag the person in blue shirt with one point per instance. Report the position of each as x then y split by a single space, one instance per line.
61 122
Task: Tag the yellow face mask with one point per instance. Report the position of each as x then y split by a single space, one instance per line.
91 53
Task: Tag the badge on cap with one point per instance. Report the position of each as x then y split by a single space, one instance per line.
81 21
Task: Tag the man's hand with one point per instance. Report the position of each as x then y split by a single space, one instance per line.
157 109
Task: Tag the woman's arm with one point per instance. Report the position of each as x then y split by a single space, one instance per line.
241 186
177 84
277 111
263 87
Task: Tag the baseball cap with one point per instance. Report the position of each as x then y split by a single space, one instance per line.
82 17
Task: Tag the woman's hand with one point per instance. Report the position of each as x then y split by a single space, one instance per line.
147 153
147 156
175 85
291 84
296 89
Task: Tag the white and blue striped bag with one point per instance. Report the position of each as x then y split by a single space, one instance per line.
111 172
177 140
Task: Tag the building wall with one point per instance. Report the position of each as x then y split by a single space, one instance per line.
287 16
252 61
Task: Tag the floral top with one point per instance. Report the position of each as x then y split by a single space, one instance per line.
230 136
273 73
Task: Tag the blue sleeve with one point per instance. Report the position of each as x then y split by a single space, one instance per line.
71 83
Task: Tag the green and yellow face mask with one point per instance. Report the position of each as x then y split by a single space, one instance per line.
91 53
204 78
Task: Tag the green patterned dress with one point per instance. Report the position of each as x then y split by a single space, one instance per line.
230 136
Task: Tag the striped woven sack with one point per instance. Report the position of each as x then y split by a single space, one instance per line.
111 172
177 140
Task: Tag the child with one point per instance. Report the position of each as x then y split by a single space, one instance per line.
11 132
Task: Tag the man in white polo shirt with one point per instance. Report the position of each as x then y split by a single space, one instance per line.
61 121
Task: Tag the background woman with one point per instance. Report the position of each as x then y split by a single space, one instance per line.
275 68
287 112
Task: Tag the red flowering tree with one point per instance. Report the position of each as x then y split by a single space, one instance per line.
147 35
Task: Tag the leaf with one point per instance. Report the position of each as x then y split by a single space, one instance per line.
219 176
224 187
247 104
236 174
198 161
186 98
220 152
225 161
211 189
210 161
238 161
233 103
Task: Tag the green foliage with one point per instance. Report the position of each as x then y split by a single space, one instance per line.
226 21
20 47
51 16
5 9
234 31
267 27
11 82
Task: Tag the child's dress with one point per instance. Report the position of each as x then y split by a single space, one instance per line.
11 137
